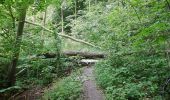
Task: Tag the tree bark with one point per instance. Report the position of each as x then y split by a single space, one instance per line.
43 31
16 50
62 20
75 9
87 55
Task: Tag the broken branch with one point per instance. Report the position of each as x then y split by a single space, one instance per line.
63 35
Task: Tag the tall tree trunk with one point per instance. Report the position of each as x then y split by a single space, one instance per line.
42 33
75 9
16 49
58 52
62 20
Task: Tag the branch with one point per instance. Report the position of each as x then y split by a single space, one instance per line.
63 35
20 72
135 11
12 16
9 8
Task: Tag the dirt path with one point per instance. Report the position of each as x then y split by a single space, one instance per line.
91 91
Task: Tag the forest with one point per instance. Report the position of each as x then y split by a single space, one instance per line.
84 49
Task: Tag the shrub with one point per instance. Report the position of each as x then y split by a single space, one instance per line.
138 80
69 88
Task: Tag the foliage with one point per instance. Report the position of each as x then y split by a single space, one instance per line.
4 63
36 71
135 35
126 80
39 71
68 88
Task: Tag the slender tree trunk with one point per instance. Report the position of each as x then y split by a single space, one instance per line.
62 20
75 10
34 18
44 22
16 49
58 52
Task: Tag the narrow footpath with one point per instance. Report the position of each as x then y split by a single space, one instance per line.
91 91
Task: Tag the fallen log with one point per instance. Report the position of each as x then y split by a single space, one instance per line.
85 55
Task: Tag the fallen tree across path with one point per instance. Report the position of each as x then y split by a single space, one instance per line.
85 55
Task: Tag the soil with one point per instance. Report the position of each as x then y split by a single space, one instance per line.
32 94
91 91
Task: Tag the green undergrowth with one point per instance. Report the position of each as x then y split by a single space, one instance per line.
39 72
43 71
132 79
67 88
74 46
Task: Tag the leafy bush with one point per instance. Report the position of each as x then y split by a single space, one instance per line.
38 71
137 80
42 71
69 88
